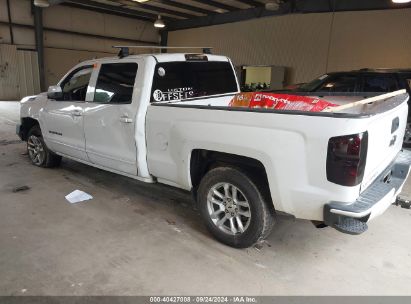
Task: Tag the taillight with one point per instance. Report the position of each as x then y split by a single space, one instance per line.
346 158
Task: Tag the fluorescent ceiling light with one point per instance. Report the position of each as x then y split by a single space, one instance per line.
141 1
41 3
272 6
159 23
401 1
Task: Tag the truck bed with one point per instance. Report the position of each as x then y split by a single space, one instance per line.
291 145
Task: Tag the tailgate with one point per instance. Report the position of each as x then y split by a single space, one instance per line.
385 138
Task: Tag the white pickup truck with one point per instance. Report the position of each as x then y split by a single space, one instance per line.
166 118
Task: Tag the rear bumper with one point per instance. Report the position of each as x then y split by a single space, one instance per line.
375 199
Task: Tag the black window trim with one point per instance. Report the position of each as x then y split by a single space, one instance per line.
68 77
98 74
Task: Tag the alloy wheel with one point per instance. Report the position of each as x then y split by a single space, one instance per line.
228 208
36 150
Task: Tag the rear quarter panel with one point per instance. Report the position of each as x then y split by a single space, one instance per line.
292 148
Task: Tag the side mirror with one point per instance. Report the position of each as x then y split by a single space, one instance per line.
55 92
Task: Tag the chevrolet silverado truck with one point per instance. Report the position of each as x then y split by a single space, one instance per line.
166 118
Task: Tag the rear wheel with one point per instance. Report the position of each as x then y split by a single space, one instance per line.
233 208
38 152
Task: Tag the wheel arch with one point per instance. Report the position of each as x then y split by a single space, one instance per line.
26 124
202 161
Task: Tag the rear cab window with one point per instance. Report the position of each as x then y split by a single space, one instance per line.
181 80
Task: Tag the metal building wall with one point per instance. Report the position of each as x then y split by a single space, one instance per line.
63 50
299 42
371 39
28 69
9 78
311 44
19 73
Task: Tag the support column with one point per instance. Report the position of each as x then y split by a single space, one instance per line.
38 29
10 23
164 39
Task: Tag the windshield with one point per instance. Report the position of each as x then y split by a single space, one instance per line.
188 79
312 85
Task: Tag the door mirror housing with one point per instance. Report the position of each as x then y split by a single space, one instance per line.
55 92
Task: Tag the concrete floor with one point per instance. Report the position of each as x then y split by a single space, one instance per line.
140 239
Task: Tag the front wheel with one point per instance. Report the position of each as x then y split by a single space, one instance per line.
38 152
233 208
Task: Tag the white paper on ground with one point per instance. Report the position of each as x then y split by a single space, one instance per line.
78 196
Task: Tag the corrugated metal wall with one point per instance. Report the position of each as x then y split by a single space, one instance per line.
63 50
296 41
29 81
9 76
311 44
377 39
19 73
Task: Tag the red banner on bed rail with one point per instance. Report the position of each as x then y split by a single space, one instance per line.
279 102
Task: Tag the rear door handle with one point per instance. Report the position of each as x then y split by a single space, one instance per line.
126 119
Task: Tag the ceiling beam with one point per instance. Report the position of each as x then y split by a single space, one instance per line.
218 5
69 32
251 2
230 17
111 9
159 9
125 40
300 6
186 6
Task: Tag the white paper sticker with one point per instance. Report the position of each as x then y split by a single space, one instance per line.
78 196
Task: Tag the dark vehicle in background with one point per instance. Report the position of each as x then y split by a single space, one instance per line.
364 82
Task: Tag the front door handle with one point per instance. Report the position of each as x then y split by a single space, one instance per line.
126 119
77 113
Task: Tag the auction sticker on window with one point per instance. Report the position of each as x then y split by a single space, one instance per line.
173 94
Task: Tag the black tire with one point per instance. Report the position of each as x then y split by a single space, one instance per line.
46 158
407 136
262 216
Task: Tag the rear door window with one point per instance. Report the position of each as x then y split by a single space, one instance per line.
115 83
183 80
379 83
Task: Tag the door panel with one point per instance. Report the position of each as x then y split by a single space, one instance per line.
109 124
64 128
64 119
